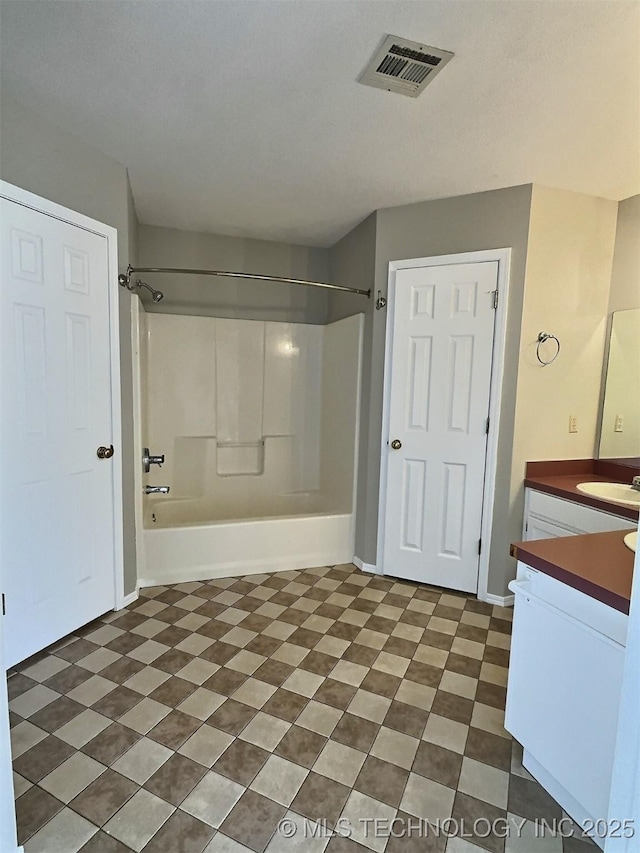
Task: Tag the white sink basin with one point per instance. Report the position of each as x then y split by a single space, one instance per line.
618 492
631 540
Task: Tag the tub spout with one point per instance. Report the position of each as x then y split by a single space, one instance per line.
156 490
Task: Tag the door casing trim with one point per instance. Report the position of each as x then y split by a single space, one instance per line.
50 208
503 258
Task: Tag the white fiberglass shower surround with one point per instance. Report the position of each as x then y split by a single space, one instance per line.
258 424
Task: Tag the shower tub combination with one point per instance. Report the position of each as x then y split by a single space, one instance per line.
258 423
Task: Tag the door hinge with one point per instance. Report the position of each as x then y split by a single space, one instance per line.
479 546
495 298
4 610
487 427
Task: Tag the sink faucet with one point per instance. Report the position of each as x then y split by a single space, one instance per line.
635 484
156 490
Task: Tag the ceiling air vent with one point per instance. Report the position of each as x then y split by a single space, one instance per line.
405 67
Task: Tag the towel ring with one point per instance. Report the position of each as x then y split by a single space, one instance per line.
542 337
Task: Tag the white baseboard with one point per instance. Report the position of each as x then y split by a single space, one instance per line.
500 600
129 599
366 567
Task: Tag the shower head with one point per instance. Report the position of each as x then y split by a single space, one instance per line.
156 295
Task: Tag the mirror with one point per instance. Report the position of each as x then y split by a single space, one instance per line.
620 420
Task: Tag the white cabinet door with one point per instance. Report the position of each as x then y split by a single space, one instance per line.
439 401
57 497
563 697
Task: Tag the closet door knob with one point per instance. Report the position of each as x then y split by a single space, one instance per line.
396 444
105 452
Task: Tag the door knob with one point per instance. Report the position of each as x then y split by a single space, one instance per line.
105 452
396 444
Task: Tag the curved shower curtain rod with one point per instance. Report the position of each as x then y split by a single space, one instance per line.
125 280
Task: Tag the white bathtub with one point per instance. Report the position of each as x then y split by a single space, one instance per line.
181 545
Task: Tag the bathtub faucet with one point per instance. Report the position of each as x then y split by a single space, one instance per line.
156 490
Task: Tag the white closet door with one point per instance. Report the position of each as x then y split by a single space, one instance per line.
439 403
57 510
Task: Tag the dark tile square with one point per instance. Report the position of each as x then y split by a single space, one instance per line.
488 749
117 703
382 781
320 799
182 833
241 761
406 718
211 609
174 729
129 620
491 694
76 650
126 643
360 654
528 798
400 647
273 672
69 678
225 681
499 657
122 670
173 691
381 683
110 744
18 684
263 645
417 619
463 665
301 746
253 820
453 707
355 732
475 815
437 763
175 779
318 662
231 717
56 714
380 624
472 632
423 673
257 623
103 797
172 661
41 759
171 614
344 631
219 653
33 809
285 705
103 843
172 635
335 693
305 638
293 616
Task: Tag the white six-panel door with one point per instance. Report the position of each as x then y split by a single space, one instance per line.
57 511
440 377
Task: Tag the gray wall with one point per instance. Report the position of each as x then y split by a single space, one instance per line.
44 159
233 297
490 220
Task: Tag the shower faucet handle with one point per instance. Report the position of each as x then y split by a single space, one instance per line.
148 461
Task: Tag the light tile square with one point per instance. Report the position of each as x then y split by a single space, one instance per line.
254 692
279 780
83 728
141 761
391 664
319 718
246 662
339 762
418 695
484 782
92 690
279 630
32 700
427 799
24 736
395 747
265 731
195 644
148 651
201 703
147 680
139 819
213 798
198 670
206 745
290 653
144 716
349 673
97 660
72 776
45 668
303 682
445 732
65 833
333 646
358 811
489 719
370 706
461 685
149 628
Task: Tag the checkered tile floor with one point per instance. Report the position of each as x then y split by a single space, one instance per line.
204 714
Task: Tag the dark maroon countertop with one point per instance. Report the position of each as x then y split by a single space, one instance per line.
561 479
598 564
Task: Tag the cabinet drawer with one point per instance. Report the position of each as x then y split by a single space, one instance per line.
575 517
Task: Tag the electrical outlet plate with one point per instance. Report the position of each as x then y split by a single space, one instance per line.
618 424
573 423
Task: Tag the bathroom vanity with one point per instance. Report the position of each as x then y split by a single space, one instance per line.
572 593
567 655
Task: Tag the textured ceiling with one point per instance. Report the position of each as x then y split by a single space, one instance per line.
245 118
